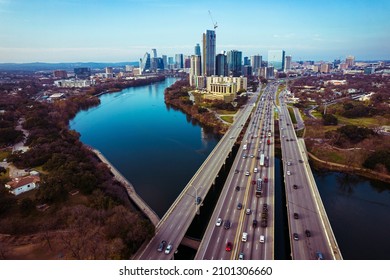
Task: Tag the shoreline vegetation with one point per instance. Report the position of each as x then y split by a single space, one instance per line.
88 214
177 96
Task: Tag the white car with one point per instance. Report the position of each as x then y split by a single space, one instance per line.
255 170
219 222
168 249
288 172
262 238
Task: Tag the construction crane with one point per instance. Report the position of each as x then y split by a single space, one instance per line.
214 23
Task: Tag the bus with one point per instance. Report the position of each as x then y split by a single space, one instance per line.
262 160
259 187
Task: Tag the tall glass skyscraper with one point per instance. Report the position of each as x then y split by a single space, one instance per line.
234 61
276 59
197 49
221 65
256 63
145 62
209 47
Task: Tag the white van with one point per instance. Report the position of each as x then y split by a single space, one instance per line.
244 236
262 238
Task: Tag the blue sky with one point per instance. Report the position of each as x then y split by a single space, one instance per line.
123 30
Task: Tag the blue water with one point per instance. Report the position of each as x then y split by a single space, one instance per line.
358 210
158 149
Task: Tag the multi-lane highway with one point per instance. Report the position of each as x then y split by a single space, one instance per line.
310 234
174 224
249 234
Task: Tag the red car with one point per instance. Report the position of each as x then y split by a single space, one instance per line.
228 247
265 180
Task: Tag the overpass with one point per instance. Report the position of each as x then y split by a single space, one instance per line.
174 224
249 166
309 226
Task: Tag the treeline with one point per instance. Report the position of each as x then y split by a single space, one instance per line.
103 228
117 85
378 160
177 96
347 134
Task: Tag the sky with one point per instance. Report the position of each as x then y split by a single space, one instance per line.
123 30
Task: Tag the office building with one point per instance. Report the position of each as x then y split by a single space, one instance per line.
195 69
256 63
234 61
247 71
165 61
221 65
246 61
154 51
270 72
287 66
350 61
276 59
145 63
209 49
224 88
179 61
197 49
171 62
82 72
325 67
62 74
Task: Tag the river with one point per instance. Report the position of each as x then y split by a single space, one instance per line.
159 149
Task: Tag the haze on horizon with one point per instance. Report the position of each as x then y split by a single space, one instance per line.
123 30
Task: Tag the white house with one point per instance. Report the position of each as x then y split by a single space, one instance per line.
22 184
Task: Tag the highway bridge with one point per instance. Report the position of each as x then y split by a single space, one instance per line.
241 203
242 224
311 235
174 224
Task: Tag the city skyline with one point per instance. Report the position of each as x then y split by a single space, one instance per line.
123 30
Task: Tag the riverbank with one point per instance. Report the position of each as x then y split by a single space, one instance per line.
177 96
332 166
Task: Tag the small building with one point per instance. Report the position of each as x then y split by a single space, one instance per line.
23 184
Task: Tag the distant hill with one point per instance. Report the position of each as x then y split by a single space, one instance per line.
41 66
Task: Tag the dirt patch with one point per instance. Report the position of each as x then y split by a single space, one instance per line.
31 247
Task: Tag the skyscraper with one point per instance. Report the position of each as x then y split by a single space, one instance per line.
197 49
350 60
165 61
276 59
246 61
287 66
145 63
209 46
179 60
221 65
256 63
154 53
195 69
234 61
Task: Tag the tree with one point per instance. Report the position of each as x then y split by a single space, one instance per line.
329 119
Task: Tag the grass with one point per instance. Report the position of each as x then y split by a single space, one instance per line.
281 87
366 122
316 114
300 133
226 112
228 119
292 115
